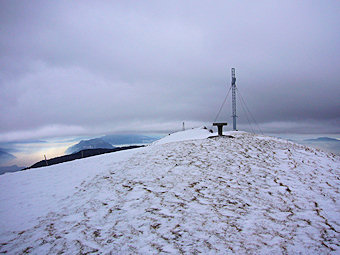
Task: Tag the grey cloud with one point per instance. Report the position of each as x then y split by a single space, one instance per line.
100 66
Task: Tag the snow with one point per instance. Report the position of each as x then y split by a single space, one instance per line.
186 193
26 195
190 134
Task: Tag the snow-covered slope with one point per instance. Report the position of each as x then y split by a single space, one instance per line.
190 134
185 194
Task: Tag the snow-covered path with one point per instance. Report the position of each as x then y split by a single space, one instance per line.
248 194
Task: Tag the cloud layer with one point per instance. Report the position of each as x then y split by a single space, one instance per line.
100 67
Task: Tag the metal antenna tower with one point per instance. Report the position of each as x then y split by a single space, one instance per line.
233 93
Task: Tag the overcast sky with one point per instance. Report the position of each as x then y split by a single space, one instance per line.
96 67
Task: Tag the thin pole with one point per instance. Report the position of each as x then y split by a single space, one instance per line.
233 86
45 160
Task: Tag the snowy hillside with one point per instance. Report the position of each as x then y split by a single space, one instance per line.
186 193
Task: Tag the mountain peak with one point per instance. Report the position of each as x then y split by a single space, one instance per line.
251 194
95 143
5 157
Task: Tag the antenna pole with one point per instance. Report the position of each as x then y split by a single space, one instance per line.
233 92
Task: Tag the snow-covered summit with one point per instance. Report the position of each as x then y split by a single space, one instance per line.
193 134
189 134
186 193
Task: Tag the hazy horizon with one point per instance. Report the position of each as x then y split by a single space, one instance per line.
28 153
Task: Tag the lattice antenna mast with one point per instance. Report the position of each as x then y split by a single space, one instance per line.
233 93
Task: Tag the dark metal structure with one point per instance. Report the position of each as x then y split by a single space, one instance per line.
220 127
233 93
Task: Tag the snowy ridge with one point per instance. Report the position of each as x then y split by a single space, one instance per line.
189 134
248 194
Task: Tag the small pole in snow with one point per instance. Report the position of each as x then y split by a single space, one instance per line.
183 127
46 160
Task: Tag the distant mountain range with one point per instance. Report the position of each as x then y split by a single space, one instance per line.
89 144
5 157
129 139
323 139
327 143
10 169
108 142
